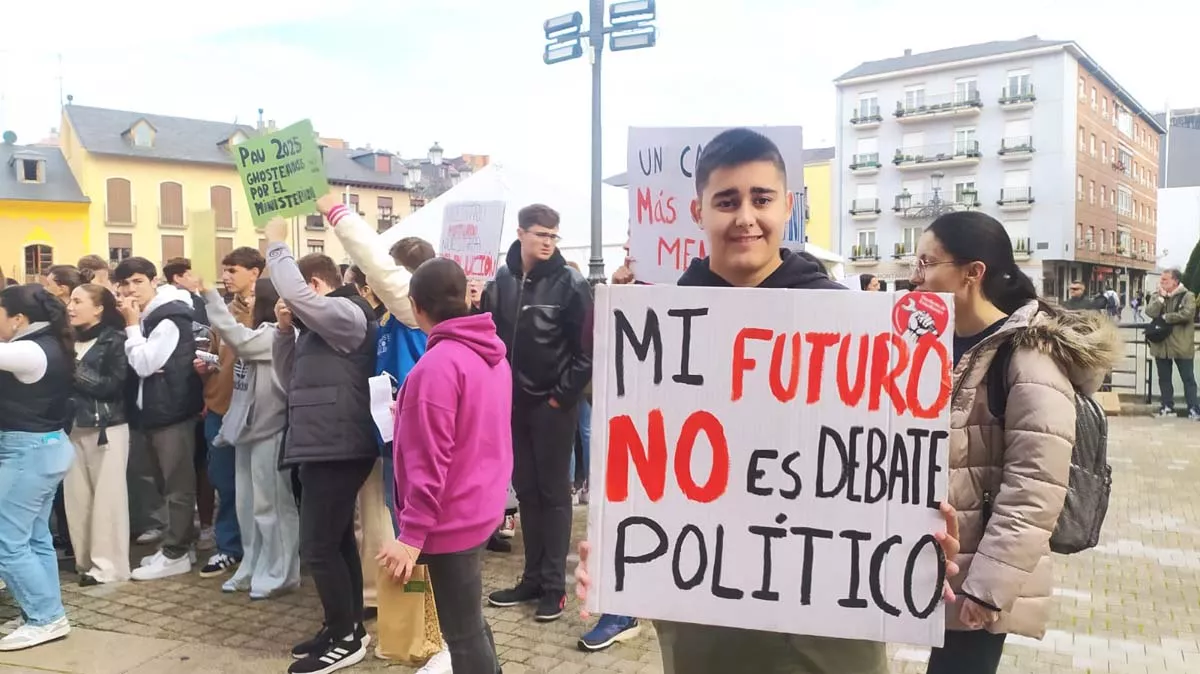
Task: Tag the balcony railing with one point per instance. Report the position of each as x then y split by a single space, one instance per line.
869 116
941 104
1015 195
865 161
908 204
903 250
942 152
110 220
1016 145
864 206
1022 249
314 223
859 252
1017 95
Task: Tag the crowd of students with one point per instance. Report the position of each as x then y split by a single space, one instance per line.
104 378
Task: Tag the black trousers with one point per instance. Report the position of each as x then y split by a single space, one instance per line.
543 439
457 579
327 544
972 652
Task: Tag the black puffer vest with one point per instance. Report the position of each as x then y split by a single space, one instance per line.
329 398
175 393
43 406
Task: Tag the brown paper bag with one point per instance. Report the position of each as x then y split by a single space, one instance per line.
408 626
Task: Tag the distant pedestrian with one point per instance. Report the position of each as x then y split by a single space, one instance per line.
1177 307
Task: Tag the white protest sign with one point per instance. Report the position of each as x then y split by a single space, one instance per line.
771 459
471 233
664 238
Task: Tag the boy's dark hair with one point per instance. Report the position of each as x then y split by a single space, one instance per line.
320 266
357 276
134 265
93 264
734 147
439 289
176 266
412 252
246 258
537 214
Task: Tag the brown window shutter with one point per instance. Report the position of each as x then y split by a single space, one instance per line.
221 200
170 197
172 246
119 208
224 247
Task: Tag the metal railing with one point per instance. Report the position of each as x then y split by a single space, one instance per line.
925 154
865 160
871 114
859 252
863 206
1015 195
927 105
1016 144
1009 95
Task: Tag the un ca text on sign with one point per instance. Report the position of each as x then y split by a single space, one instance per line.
771 459
471 232
282 173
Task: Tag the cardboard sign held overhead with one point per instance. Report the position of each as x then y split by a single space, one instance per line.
471 232
203 244
771 459
664 237
282 173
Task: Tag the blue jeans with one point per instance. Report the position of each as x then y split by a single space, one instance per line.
32 466
585 437
222 472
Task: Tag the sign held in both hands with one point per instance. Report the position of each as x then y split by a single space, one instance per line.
283 173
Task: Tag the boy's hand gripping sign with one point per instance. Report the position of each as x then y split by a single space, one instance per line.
771 460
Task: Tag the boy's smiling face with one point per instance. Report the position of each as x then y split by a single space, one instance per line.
744 209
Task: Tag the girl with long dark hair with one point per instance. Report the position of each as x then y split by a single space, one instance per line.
95 491
1008 476
36 362
254 425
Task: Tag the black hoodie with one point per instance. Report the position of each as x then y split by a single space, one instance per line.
799 271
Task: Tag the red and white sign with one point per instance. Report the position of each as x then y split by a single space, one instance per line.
471 233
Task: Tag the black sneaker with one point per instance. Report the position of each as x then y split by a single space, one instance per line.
321 641
337 654
523 593
219 564
550 607
498 544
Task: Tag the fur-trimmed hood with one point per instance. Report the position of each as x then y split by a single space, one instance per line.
1086 343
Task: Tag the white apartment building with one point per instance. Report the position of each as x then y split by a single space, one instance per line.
990 127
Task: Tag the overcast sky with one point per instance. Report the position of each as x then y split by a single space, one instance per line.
401 74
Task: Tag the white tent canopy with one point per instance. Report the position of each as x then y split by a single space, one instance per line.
517 188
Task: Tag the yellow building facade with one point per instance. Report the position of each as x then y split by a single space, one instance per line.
43 212
151 177
818 181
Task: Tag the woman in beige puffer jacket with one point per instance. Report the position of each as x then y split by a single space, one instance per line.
1008 478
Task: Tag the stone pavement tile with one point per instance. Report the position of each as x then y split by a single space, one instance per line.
8 669
202 659
91 652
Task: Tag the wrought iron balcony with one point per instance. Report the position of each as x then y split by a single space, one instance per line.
958 153
860 253
865 164
954 105
1016 148
932 204
1015 198
865 209
867 119
1017 98
901 251
1022 249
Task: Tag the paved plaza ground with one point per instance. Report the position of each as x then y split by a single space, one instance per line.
1132 605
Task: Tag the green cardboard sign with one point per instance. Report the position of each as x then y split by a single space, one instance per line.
282 173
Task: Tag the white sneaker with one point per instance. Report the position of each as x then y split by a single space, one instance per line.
28 636
152 536
148 558
438 664
161 566
3 585
509 528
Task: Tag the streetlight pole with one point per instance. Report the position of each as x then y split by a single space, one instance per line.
630 27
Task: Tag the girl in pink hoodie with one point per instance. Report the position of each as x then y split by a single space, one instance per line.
453 456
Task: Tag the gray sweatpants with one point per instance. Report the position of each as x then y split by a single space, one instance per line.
162 483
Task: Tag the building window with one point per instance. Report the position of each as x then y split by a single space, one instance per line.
220 199
1081 145
1092 146
866 240
170 205
385 207
1018 84
118 206
224 247
965 191
120 247
316 246
914 97
1104 107
1124 202
353 204
172 246
1104 150
966 90
964 141
143 135
1078 188
1093 98
868 106
1125 123
1103 195
1082 90
909 237
1091 191
31 170
38 260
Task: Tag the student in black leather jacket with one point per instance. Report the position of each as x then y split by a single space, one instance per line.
543 312
95 491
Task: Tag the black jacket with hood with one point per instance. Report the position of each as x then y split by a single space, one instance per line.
544 319
800 271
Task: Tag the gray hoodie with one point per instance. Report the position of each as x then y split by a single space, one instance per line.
258 408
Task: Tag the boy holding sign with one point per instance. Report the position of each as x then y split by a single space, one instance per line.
743 205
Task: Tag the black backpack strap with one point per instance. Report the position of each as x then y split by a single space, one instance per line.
997 380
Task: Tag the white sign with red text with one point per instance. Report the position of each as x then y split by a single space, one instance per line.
664 238
471 233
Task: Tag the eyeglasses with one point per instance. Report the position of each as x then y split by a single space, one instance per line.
922 265
547 236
